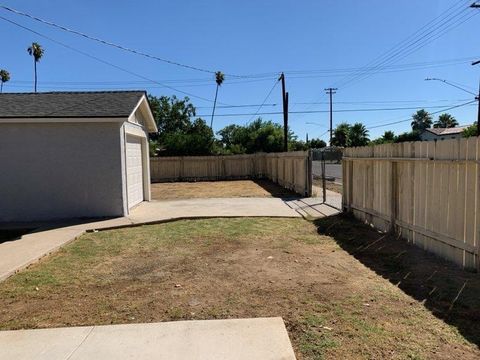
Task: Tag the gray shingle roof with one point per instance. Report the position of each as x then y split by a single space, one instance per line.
69 104
447 131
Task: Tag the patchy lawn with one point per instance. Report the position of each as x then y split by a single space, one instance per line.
219 189
350 294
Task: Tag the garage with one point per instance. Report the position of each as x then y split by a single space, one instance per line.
71 155
134 157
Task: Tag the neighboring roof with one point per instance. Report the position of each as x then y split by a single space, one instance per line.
447 131
101 104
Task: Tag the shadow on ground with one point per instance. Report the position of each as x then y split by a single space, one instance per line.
276 190
450 293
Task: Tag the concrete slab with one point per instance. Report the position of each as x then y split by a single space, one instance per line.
315 208
237 339
225 207
18 254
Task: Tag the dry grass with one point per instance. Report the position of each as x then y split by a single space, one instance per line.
218 189
335 305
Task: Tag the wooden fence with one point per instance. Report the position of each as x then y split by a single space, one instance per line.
426 191
291 170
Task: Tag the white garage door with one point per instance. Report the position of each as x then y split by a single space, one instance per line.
134 170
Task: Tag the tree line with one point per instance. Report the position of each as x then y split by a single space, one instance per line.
181 133
346 135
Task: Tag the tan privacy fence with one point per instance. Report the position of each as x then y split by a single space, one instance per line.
291 170
427 191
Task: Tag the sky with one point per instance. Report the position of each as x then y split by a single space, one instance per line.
317 44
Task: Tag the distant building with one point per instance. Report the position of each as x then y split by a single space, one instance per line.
442 133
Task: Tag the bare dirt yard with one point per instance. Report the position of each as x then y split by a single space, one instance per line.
219 189
344 290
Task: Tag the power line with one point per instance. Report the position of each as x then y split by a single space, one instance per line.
104 42
103 61
426 34
432 113
328 111
264 101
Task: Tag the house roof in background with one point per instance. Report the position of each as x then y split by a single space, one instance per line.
98 104
447 131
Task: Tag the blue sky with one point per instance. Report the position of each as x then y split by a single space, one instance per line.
309 40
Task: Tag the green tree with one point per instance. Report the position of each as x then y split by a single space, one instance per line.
316 144
358 135
472 130
258 136
177 134
171 114
445 121
388 137
37 52
4 77
413 135
421 120
341 135
219 78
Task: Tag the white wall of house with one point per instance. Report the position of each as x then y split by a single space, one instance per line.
428 136
61 170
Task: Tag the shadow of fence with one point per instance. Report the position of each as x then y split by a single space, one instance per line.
450 293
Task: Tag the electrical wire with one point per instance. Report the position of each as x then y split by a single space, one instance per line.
104 42
432 113
335 111
264 101
104 61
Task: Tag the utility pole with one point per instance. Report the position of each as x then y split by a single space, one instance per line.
478 99
331 91
285 113
477 6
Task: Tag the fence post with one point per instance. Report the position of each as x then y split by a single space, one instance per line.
309 179
394 196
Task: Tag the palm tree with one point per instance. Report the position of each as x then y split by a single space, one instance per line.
341 135
36 51
358 135
445 121
219 78
421 120
4 77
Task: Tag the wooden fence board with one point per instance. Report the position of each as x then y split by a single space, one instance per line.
436 193
290 170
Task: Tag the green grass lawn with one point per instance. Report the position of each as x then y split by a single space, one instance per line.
337 300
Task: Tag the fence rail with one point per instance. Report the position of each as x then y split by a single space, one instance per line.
429 192
291 170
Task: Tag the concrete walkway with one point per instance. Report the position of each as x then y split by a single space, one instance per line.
20 253
238 339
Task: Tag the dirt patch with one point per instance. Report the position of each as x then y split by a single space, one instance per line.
335 302
219 189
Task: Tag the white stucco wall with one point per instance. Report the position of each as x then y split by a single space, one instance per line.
60 170
428 136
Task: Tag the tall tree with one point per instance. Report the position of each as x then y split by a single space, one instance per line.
421 120
4 77
219 78
358 135
37 52
341 135
445 121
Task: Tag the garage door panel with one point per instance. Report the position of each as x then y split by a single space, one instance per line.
134 170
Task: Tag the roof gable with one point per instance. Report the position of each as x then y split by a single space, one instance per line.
105 104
